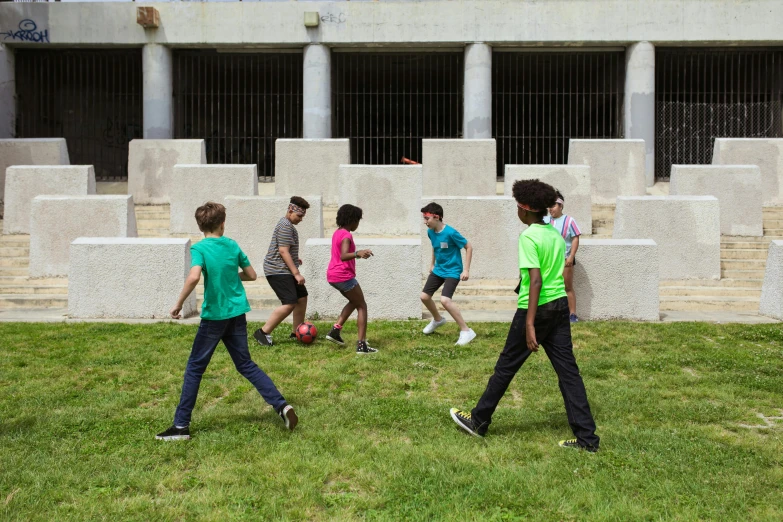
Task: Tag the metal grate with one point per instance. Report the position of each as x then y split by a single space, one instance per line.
540 100
92 98
703 94
386 103
240 103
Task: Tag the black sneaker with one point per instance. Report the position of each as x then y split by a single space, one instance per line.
573 443
465 421
335 337
289 417
174 433
292 336
363 347
262 338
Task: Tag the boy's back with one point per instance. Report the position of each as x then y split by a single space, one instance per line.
220 259
541 246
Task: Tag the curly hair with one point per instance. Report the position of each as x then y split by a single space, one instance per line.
300 202
535 194
348 214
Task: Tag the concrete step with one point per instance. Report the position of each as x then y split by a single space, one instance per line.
709 303
24 279
743 253
724 283
602 231
773 222
711 291
773 232
255 302
743 264
14 261
742 274
480 302
489 291
38 301
33 289
144 224
15 251
158 214
744 245
15 240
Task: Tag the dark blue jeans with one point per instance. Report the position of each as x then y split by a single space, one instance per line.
553 332
233 333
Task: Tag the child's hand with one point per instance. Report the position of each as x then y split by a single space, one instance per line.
300 280
465 276
530 332
569 261
364 254
300 262
175 312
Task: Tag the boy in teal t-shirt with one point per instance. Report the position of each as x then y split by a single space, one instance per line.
542 317
224 266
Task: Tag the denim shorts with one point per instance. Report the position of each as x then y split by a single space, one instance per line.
345 286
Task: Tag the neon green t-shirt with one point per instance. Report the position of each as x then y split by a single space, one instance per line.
542 247
220 259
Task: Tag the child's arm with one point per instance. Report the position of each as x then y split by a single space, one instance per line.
532 307
248 273
574 248
345 244
432 263
285 253
468 257
194 276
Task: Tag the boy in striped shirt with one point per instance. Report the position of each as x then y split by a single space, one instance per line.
569 230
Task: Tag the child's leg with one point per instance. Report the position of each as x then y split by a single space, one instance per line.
355 298
285 289
346 312
430 287
299 311
277 316
207 338
568 278
445 299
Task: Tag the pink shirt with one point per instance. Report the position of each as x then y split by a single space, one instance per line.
338 270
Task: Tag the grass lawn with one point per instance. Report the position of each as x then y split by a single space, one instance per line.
80 405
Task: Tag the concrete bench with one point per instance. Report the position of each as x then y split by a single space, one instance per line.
771 303
31 151
459 167
151 166
766 153
616 167
128 278
310 166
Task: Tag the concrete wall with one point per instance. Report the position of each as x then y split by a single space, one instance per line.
772 292
767 153
57 220
32 151
573 181
151 166
639 106
737 187
390 280
143 282
491 226
158 73
685 228
251 220
459 167
310 166
617 279
22 184
390 196
194 185
7 93
616 167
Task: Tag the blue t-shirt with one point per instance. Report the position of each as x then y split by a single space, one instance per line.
447 245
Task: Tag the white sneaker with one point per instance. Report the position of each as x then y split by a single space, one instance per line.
465 337
434 325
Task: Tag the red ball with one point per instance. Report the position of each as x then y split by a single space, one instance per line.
306 333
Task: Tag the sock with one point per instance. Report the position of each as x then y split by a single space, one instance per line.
338 327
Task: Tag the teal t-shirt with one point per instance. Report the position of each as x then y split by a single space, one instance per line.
447 245
542 247
220 259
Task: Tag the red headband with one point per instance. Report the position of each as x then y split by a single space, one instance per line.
430 214
525 207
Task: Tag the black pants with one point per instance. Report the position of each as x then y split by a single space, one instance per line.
553 332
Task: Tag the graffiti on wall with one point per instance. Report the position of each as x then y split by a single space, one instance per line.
27 32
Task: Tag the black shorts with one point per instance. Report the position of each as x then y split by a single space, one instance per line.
434 282
286 289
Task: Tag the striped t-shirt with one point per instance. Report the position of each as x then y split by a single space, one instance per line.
567 227
284 235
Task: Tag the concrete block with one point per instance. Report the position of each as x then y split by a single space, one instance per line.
31 151
151 166
573 181
685 228
194 185
617 279
55 221
390 196
771 303
737 187
616 167
767 153
491 226
23 183
250 221
128 278
310 166
459 167
390 280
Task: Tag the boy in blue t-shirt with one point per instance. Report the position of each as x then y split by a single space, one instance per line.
224 266
446 270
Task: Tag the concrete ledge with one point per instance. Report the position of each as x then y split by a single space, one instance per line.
22 184
151 165
128 278
390 280
617 279
771 303
685 228
250 221
616 167
31 151
459 167
55 221
573 181
194 185
737 187
310 166
491 226
390 196
767 153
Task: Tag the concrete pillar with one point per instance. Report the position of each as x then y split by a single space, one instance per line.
639 108
7 93
158 74
477 115
317 81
